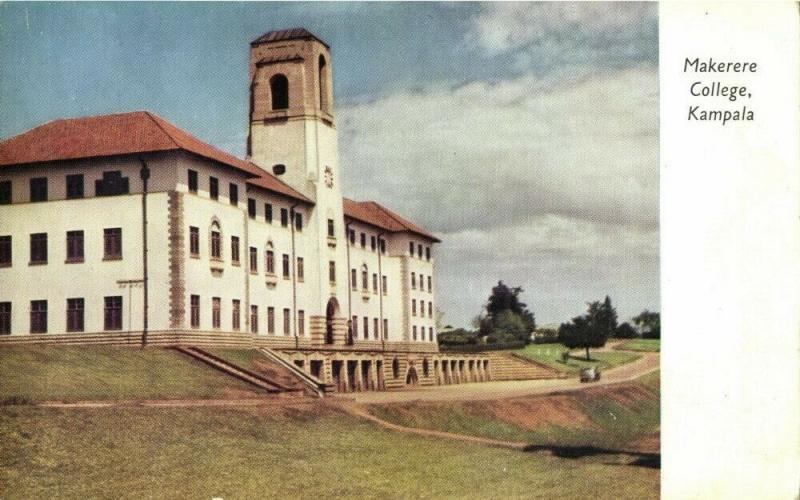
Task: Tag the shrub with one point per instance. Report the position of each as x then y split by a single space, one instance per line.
625 331
545 336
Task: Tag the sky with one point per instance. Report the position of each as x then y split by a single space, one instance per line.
525 135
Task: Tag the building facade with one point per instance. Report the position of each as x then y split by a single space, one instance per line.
124 226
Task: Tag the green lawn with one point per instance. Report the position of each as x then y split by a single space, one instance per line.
648 345
550 355
37 373
611 417
262 453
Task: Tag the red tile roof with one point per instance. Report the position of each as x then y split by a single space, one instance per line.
108 135
288 34
380 216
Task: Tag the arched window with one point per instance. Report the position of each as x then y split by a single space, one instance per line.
279 87
364 277
323 84
216 240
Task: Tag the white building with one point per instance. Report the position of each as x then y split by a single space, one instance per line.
220 248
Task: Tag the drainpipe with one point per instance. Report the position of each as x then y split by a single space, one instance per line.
293 268
245 266
380 294
349 285
144 173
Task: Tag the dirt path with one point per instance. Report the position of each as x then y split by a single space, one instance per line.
648 363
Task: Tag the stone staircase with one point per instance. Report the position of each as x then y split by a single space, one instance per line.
512 366
273 382
287 372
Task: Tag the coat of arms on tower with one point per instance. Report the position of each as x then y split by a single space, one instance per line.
328 177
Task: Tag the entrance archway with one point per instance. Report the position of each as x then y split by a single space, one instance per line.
411 377
331 312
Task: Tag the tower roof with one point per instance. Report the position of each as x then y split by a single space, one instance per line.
287 34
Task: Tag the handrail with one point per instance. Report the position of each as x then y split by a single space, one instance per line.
309 380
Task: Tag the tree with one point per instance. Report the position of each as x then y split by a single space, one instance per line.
591 329
506 318
625 331
649 324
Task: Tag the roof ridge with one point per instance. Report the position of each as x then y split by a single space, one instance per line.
156 119
389 214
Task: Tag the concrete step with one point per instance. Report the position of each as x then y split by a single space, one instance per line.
512 366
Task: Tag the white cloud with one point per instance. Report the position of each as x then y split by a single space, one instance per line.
502 27
496 154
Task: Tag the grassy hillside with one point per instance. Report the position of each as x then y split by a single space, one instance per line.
37 373
649 345
260 453
613 417
550 355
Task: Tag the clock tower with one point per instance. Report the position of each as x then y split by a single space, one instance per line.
293 135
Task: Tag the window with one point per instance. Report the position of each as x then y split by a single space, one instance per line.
427 253
323 84
395 368
300 270
287 321
430 288
364 278
385 328
112 314
74 246
271 320
253 260
332 271
194 241
284 217
430 309
372 243
331 229
375 328
5 193
74 186
213 188
194 311
413 307
414 330
270 262
39 248
352 236
419 251
236 314
382 244
286 266
112 243
354 326
298 221
413 281
235 250
39 189
430 333
111 184
216 241
253 319
383 284
279 91
74 315
268 212
374 283
301 322
366 327
193 181
353 280
216 306
251 208
233 194
5 318
5 251
38 316
411 248
363 240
